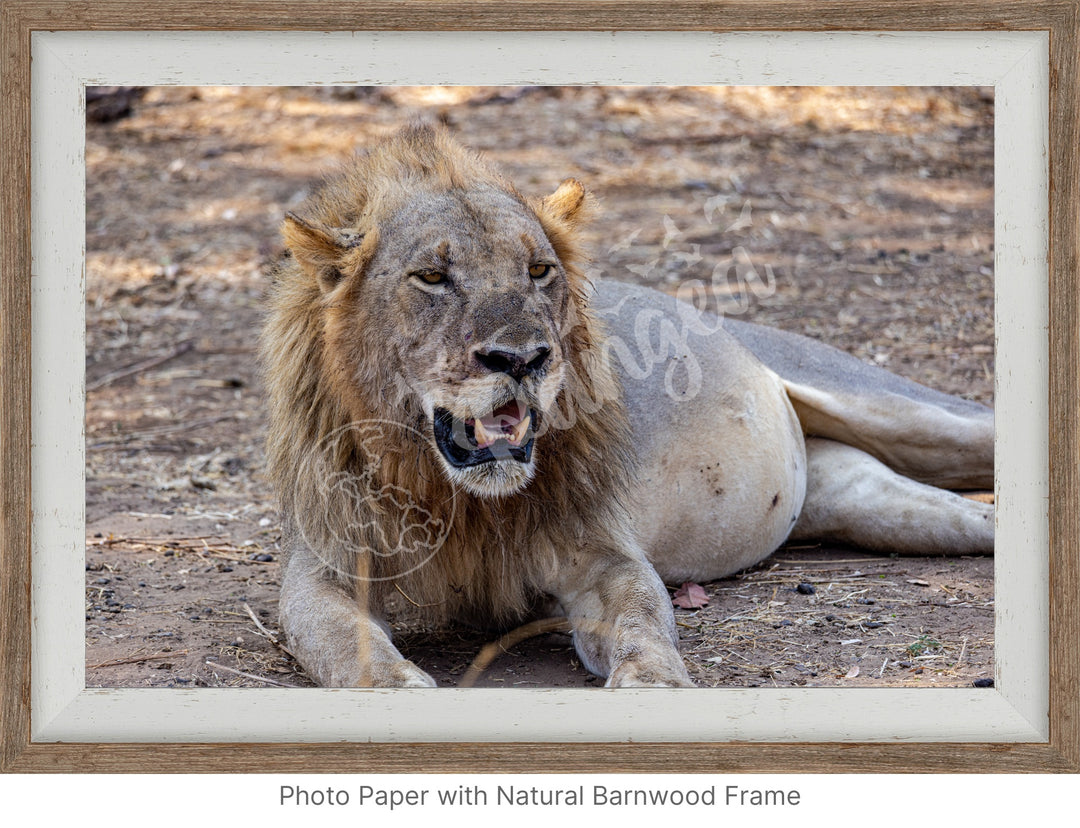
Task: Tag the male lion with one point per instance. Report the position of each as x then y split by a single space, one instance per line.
457 414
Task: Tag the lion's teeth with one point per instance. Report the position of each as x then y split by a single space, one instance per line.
519 431
512 428
483 437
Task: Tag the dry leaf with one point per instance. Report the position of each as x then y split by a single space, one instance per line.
690 596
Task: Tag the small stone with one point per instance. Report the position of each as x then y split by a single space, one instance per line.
983 682
805 589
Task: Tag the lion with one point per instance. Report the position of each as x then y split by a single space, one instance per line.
458 414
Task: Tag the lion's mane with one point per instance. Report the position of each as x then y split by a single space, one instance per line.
344 424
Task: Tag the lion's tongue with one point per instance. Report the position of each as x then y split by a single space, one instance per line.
509 422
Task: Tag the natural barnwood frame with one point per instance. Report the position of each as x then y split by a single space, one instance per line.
1060 18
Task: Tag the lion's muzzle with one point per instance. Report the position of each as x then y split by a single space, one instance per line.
515 364
507 433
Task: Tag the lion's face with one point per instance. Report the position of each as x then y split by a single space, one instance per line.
464 301
478 299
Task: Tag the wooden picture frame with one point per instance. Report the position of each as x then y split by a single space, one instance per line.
20 19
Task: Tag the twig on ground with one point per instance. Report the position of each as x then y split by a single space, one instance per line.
156 431
146 364
151 541
492 651
213 665
259 624
136 659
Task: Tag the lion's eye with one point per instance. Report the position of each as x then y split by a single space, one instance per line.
539 271
430 277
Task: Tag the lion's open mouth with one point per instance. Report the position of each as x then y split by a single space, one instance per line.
506 433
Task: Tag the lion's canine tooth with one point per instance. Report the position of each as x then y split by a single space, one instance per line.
483 437
520 430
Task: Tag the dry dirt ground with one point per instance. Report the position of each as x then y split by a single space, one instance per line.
862 217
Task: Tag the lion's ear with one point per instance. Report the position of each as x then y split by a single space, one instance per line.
321 252
566 203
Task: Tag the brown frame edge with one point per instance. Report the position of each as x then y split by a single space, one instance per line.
1061 18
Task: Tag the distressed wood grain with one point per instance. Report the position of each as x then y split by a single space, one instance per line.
549 15
14 385
1064 386
544 758
19 18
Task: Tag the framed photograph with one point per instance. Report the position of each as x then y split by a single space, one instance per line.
252 81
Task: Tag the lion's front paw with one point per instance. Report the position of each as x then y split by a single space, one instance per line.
407 674
638 674
397 673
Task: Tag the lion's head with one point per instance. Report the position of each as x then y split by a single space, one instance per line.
451 301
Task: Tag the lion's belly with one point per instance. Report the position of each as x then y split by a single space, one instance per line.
722 473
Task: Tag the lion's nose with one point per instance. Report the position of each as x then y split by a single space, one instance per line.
517 364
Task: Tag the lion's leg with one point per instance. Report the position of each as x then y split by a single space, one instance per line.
335 638
934 445
928 436
853 498
622 619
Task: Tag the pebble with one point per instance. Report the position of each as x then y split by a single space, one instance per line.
263 558
983 682
805 589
